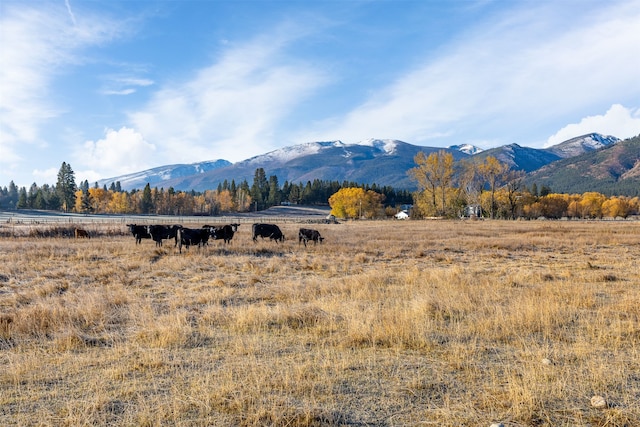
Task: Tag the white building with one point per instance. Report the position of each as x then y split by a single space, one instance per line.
402 215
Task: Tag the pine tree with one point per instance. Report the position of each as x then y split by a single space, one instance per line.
22 199
13 194
146 204
260 188
275 196
87 202
66 187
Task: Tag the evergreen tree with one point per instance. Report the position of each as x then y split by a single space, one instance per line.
274 198
66 187
22 199
294 194
12 194
86 202
53 200
233 188
286 188
306 194
40 201
260 189
146 204
31 195
534 189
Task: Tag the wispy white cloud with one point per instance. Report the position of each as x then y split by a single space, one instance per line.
124 85
71 15
118 91
38 42
529 66
617 121
232 107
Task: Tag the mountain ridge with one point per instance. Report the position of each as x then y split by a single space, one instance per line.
379 161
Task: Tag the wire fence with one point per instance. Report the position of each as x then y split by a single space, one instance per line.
13 218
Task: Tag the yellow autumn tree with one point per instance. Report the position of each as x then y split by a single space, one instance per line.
494 173
592 204
99 199
616 207
224 200
554 205
434 175
78 201
354 202
119 203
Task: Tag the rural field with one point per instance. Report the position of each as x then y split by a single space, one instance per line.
386 323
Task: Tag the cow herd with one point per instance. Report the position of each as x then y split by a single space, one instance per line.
187 237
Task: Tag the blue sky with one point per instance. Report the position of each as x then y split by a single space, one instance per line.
121 86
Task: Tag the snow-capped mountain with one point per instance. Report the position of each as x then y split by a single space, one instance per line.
372 161
160 174
582 144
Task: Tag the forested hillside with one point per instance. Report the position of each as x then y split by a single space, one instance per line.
614 170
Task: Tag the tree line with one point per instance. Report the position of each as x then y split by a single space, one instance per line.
489 188
264 192
480 188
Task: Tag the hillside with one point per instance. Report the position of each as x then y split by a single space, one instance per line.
612 170
157 176
519 158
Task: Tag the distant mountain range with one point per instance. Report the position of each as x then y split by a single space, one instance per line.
386 162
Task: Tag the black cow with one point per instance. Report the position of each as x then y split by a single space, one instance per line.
139 232
160 232
192 237
224 232
306 234
80 233
271 231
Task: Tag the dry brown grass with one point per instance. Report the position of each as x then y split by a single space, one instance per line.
385 324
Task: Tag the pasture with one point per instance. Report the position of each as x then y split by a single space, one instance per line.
389 323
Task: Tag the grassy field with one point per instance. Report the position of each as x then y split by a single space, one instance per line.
410 323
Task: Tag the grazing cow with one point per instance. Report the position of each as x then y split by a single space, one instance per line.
192 237
159 232
139 232
224 232
306 234
79 232
271 231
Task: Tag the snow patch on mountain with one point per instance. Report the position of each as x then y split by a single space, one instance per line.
388 146
466 148
582 144
286 154
294 151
